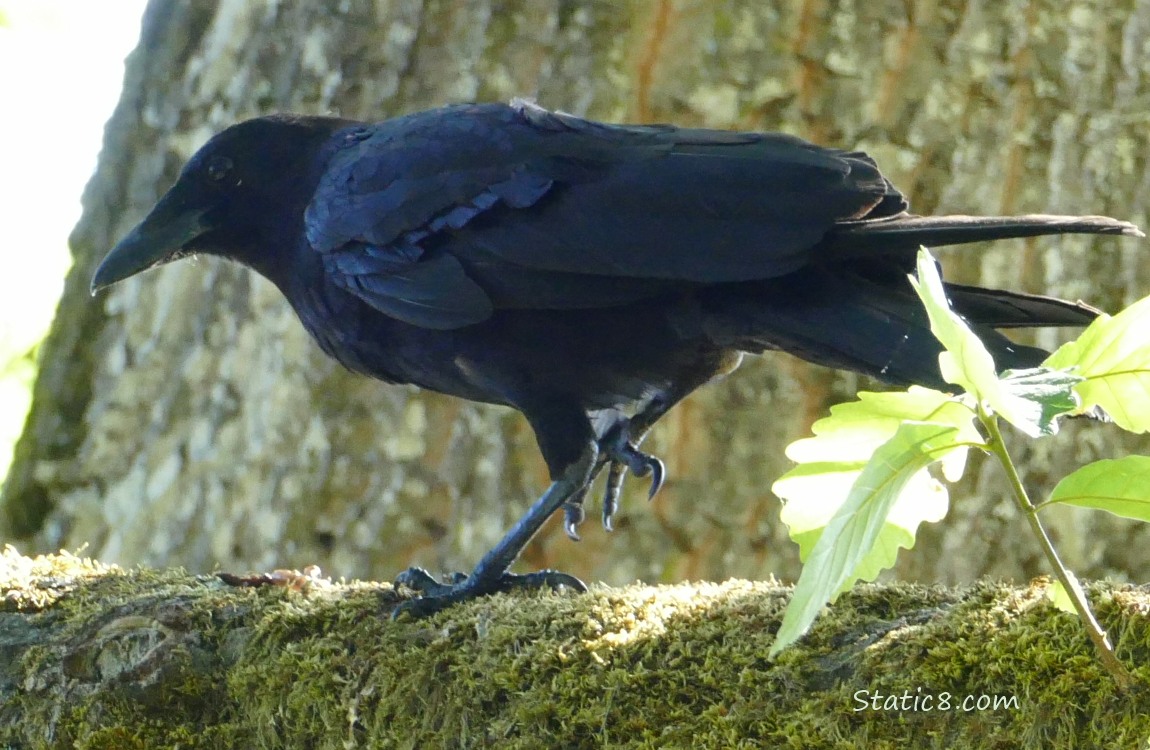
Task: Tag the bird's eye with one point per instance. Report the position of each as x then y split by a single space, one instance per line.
218 168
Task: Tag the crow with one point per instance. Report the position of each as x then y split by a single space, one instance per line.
588 275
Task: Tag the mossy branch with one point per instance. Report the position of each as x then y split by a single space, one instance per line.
93 656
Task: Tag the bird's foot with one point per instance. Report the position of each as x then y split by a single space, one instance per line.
623 455
619 454
436 596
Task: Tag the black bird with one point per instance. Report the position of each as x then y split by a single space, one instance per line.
588 275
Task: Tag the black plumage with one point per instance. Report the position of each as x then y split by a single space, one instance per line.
588 275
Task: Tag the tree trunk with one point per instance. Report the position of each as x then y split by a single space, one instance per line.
185 418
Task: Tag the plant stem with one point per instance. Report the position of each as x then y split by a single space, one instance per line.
1073 589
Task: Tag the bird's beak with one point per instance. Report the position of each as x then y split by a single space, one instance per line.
155 241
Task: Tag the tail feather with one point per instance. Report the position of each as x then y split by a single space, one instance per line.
854 310
909 231
998 308
900 350
875 326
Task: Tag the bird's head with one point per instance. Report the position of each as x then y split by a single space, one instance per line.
232 197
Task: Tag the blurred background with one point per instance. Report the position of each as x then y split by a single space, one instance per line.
184 418
61 68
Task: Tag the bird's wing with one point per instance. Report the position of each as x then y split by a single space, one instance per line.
680 204
438 217
430 290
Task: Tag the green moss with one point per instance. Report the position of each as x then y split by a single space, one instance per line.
161 659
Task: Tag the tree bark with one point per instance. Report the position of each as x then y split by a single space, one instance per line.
102 658
185 418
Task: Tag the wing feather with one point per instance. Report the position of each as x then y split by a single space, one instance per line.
439 218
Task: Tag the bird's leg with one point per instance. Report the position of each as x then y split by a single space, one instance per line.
615 457
491 575
619 452
620 446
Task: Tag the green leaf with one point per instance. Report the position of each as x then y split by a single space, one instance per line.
815 492
831 463
967 363
1113 357
1038 396
855 430
851 544
1060 597
1118 485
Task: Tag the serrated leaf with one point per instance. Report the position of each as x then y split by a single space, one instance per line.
953 464
1118 485
855 429
1113 357
967 363
815 492
1040 395
843 550
820 487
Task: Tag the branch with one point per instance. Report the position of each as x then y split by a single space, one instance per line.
95 656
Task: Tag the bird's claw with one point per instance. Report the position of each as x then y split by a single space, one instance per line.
623 457
620 455
436 596
418 579
573 515
641 464
611 494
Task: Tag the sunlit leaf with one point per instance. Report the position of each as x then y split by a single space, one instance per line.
966 361
1120 486
855 429
1038 396
1113 357
813 499
820 487
1029 404
851 543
